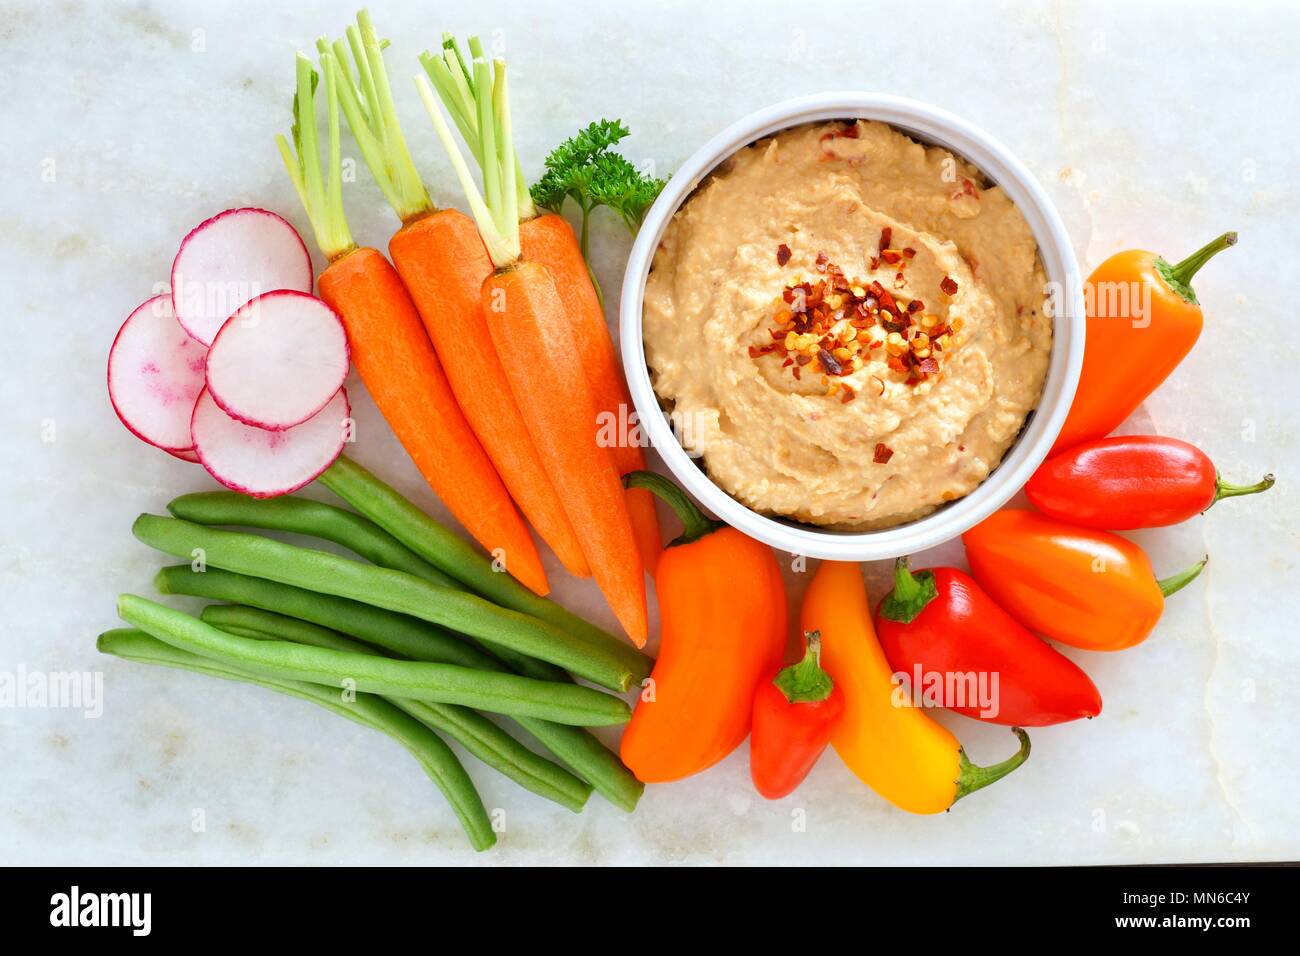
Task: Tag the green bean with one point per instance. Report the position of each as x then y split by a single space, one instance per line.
419 680
409 637
315 518
453 555
437 759
398 633
480 736
354 532
395 590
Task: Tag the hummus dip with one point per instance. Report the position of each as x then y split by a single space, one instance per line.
848 326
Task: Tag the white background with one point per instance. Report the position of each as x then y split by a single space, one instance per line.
1153 125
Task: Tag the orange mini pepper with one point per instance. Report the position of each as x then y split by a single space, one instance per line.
894 747
722 631
1082 587
1143 319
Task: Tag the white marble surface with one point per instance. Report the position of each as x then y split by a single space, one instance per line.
1158 125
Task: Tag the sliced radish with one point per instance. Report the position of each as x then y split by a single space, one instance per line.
235 256
185 454
278 360
155 372
263 463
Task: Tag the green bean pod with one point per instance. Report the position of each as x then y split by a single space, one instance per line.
395 590
437 759
480 736
330 523
409 637
315 518
453 555
418 680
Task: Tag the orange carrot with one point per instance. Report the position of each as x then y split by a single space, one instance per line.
441 259
443 264
533 335
402 373
527 321
392 353
549 240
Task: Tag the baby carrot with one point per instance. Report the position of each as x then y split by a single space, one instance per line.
392 353
442 263
526 319
548 239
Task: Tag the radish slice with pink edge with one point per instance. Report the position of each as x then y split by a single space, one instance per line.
185 454
155 373
231 258
278 360
263 463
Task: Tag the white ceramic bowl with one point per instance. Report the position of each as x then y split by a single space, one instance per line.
926 124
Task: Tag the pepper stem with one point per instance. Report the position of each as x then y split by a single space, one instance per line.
1224 490
695 524
1179 276
1176 582
911 594
974 778
806 682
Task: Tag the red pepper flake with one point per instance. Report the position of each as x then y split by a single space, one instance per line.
850 131
782 254
803 359
916 305
787 363
948 285
822 259
909 252
831 366
886 235
848 396
875 263
928 366
797 372
891 256
883 453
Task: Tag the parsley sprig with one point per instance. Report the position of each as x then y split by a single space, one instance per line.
586 169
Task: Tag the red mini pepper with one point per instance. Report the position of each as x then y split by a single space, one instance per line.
940 626
1131 481
795 714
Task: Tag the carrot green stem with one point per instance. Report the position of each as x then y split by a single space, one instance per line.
1224 490
367 103
455 83
1179 276
495 213
695 524
1176 582
974 778
321 199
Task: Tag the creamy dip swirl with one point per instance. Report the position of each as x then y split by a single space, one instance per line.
867 445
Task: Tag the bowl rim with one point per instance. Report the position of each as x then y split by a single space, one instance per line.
932 125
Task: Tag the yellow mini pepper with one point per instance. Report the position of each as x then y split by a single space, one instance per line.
892 746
